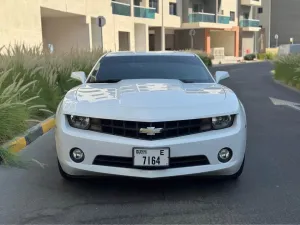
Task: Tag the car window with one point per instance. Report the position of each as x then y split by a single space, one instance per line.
94 73
187 68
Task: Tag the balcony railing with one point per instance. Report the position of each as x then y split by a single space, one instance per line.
119 8
249 23
144 12
202 17
251 2
208 18
223 19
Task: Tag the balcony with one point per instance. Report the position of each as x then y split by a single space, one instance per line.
119 8
144 12
251 2
249 23
207 18
223 19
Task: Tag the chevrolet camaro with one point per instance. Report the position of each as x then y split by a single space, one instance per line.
150 115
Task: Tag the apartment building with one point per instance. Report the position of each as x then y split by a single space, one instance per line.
136 25
280 17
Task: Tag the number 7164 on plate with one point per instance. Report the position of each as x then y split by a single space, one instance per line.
151 157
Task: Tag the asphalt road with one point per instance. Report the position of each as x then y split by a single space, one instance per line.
267 192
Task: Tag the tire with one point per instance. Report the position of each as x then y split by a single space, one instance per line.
64 175
238 173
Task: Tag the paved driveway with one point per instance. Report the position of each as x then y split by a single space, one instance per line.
268 191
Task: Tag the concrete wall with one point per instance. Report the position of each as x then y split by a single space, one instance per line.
66 33
20 22
141 37
247 42
96 34
223 39
183 40
265 20
285 17
124 41
230 5
170 39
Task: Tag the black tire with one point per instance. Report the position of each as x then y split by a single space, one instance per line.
64 175
238 173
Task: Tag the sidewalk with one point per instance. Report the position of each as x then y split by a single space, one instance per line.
232 60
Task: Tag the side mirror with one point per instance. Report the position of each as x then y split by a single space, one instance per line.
221 75
79 75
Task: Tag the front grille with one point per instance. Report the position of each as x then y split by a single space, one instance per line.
127 162
170 129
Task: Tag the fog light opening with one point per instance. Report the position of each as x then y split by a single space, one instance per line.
224 155
77 155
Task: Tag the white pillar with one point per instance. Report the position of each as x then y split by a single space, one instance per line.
88 20
163 39
132 8
147 37
163 35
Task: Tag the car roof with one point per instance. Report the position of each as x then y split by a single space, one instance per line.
152 53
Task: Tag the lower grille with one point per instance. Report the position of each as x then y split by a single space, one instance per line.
127 162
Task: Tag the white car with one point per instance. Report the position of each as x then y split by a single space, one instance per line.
150 115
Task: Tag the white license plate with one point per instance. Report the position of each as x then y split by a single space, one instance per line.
151 157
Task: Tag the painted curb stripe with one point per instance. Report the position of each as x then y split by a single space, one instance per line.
47 125
30 136
33 135
18 145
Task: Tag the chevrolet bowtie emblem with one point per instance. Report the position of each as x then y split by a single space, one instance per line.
151 130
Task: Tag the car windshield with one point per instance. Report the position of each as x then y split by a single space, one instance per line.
188 69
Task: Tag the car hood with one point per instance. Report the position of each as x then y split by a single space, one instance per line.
150 100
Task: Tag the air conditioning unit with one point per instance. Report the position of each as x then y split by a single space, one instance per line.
218 53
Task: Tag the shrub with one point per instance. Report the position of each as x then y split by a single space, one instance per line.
287 69
33 82
250 56
207 59
266 56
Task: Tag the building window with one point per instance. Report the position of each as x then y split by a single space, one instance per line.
154 4
198 7
232 16
260 10
173 8
246 16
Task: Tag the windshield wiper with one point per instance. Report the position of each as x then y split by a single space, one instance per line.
106 81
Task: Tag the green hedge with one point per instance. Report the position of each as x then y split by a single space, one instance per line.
251 56
207 59
264 56
287 70
32 83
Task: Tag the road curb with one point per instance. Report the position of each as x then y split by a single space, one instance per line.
239 63
32 134
285 85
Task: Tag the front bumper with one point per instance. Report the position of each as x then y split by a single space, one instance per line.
207 144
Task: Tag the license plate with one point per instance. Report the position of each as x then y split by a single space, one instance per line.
151 157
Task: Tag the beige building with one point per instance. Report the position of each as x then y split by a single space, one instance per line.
136 25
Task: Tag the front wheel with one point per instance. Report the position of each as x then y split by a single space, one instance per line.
64 175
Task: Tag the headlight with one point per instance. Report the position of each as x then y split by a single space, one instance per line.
79 122
222 122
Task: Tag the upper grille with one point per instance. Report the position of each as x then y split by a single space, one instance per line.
170 129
